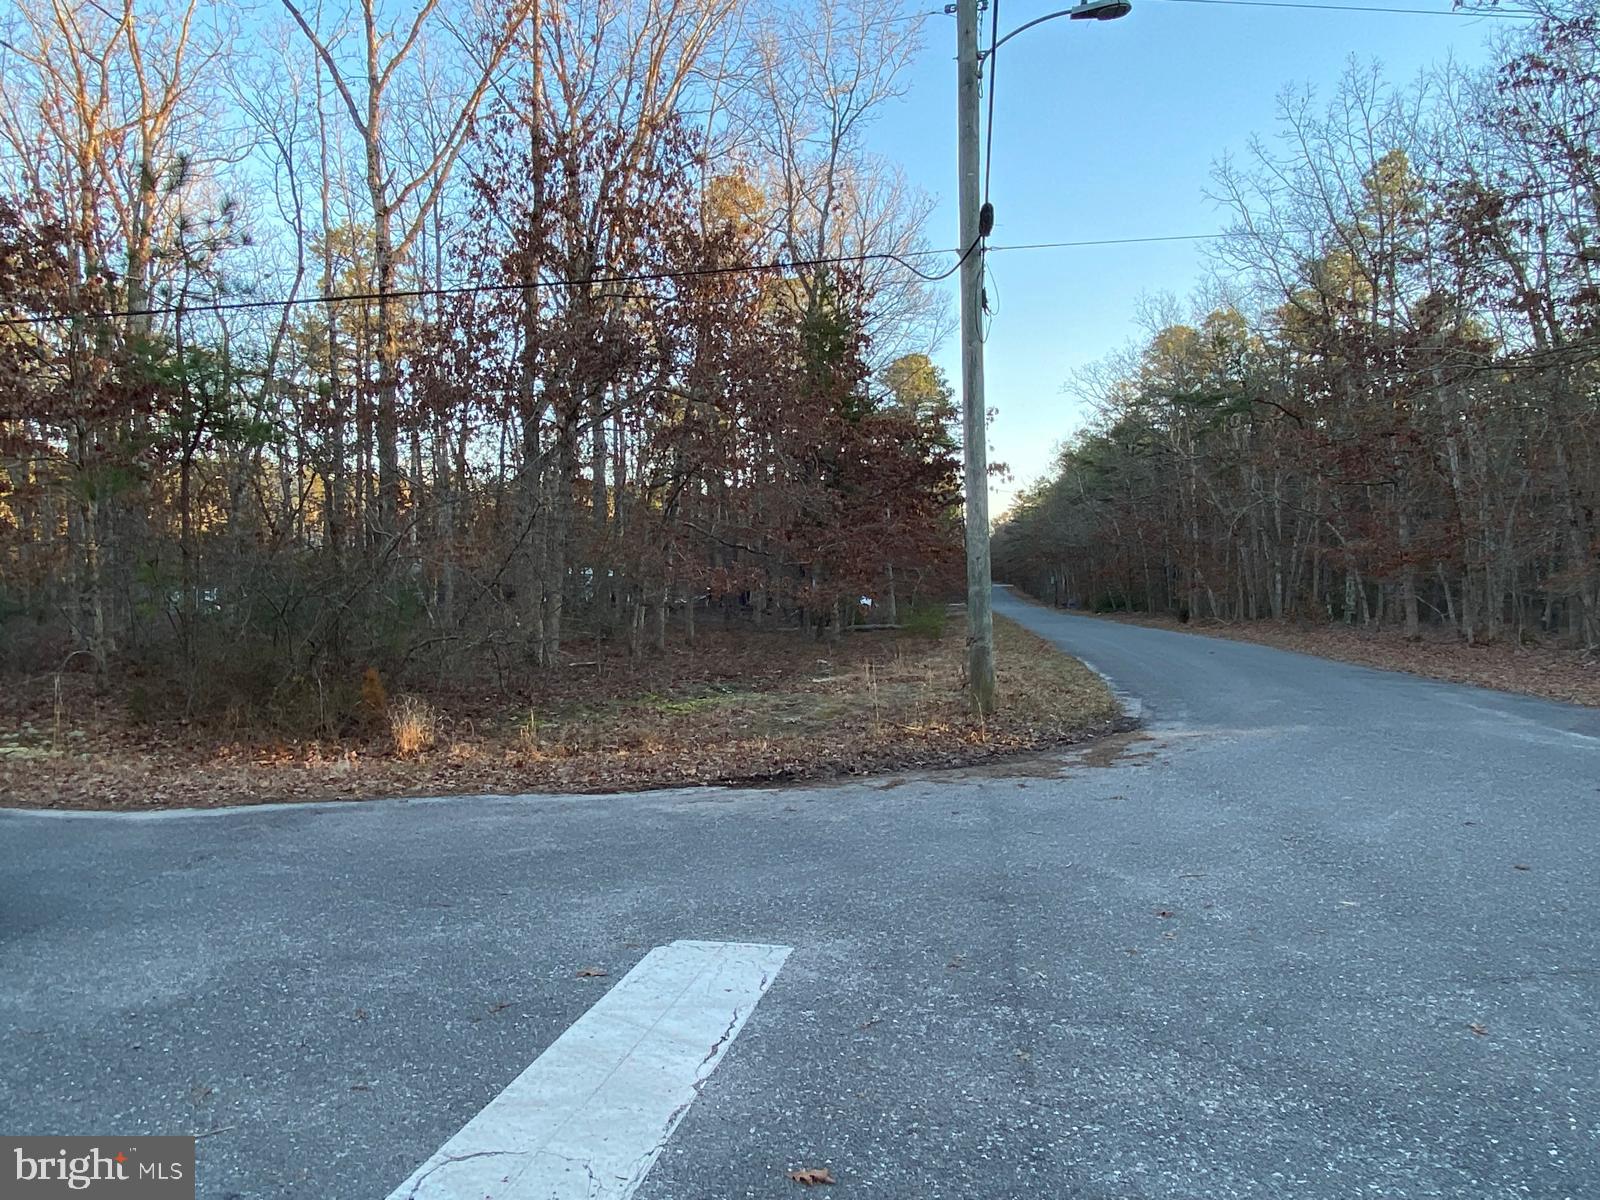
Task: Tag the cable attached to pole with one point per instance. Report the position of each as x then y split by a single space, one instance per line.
988 132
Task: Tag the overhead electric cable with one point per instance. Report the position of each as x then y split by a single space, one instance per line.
1586 254
519 286
992 60
1519 14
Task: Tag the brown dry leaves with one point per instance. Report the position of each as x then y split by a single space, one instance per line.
740 707
811 1176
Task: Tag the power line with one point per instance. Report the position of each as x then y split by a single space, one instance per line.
521 286
1520 14
222 306
994 71
1587 254
1125 241
986 316
942 274
656 276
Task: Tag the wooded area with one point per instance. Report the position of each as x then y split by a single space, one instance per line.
1386 407
409 342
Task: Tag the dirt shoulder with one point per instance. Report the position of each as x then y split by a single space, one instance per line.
1550 672
737 708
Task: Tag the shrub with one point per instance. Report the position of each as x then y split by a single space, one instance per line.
925 620
374 698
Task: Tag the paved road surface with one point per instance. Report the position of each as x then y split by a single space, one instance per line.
1243 957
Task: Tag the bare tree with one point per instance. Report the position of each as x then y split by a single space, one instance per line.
402 199
813 82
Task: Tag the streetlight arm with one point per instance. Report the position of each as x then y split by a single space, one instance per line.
1065 12
1104 10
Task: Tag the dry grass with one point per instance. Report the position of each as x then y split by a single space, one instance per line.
413 726
740 708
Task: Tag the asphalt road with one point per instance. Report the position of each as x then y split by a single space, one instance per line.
1323 932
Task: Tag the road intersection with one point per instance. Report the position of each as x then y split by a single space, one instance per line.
1317 930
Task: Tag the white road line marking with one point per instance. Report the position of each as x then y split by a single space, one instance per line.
1132 706
592 1114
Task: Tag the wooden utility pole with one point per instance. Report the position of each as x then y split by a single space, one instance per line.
980 619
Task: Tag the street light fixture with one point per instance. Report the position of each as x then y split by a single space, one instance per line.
1107 10
1091 10
974 227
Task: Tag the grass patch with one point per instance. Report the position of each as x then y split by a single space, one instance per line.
740 707
413 726
925 620
683 705
1040 683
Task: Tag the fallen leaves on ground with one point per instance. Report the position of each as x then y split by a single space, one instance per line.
811 1176
740 707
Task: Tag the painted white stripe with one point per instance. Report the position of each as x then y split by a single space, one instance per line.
592 1114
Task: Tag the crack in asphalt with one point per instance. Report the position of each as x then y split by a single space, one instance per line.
450 1160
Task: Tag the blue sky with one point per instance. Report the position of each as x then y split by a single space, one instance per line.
1109 129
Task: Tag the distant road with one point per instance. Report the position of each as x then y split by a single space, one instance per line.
1197 682
1321 931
